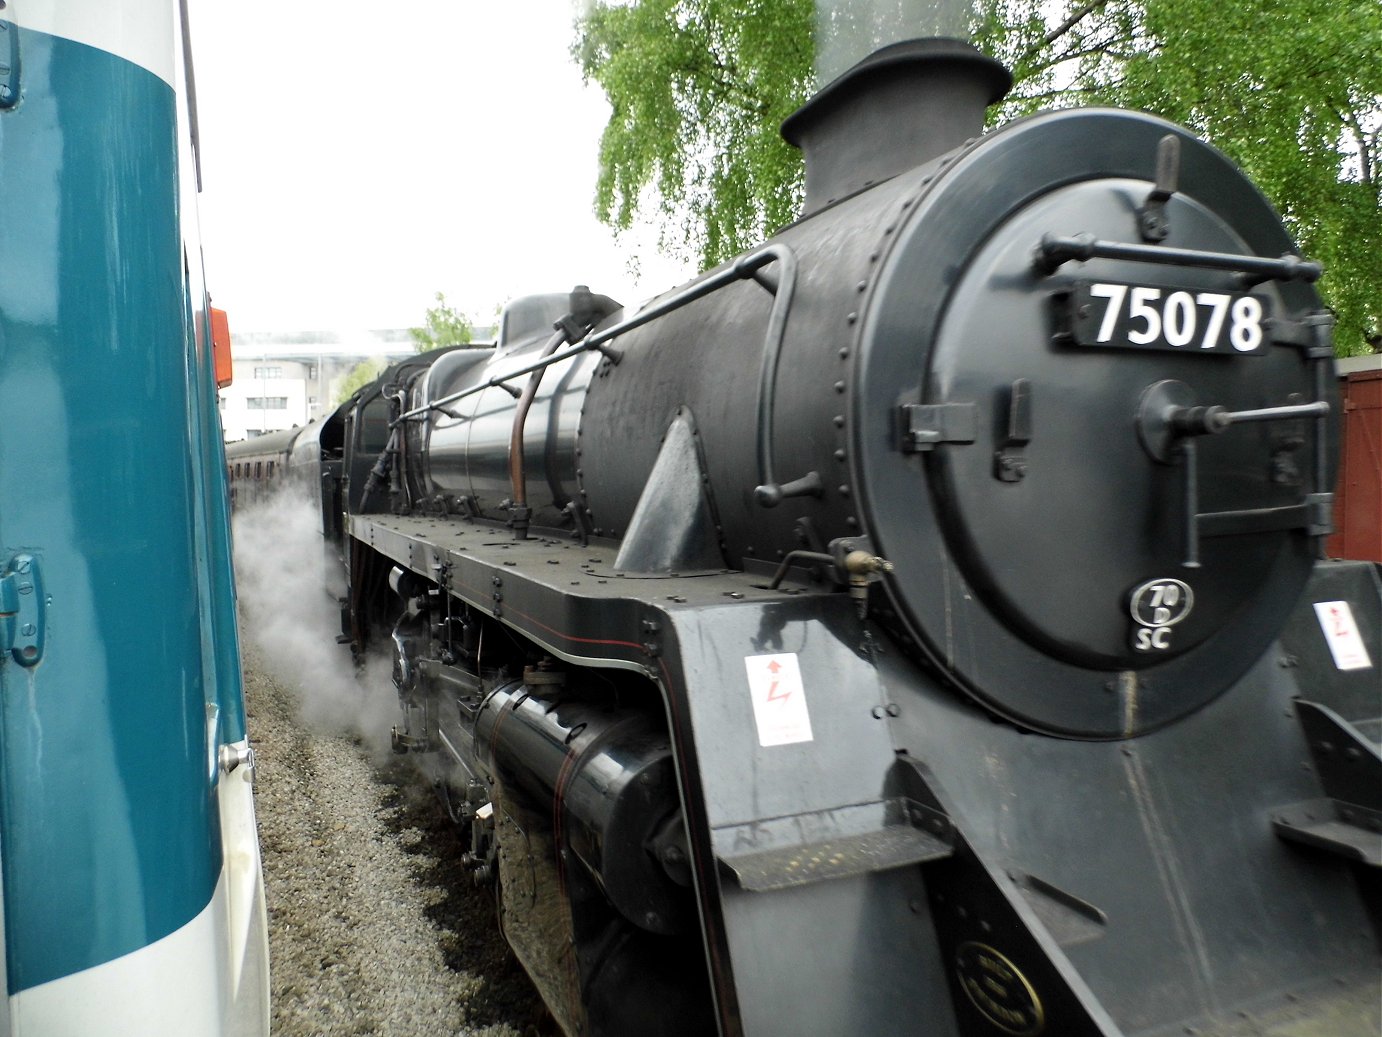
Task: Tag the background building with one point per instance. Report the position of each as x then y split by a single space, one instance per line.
283 379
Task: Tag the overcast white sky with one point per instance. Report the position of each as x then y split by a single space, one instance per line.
359 157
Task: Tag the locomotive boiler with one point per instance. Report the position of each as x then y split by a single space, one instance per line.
914 625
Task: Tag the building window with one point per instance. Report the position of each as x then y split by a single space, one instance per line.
266 402
268 372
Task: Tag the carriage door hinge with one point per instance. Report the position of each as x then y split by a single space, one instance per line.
9 65
21 610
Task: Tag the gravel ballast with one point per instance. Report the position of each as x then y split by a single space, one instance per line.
374 927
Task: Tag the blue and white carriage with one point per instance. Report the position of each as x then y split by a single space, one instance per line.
132 891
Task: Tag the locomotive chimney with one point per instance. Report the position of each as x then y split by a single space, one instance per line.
901 106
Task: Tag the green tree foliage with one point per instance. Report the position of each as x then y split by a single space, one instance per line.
1059 56
1293 93
360 375
699 89
1290 89
444 326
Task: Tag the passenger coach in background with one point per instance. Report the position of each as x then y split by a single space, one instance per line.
914 625
256 469
132 898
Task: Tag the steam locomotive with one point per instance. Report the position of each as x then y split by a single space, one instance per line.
132 900
912 626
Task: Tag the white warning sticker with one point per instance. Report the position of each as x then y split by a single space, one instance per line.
779 699
1341 634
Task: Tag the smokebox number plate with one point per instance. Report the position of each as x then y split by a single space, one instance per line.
1112 314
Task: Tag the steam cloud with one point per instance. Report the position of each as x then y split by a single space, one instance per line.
286 609
847 31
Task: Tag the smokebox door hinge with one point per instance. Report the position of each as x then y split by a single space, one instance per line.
21 610
922 426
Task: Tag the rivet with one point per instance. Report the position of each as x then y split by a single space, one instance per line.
862 285
839 386
840 455
852 318
839 420
844 491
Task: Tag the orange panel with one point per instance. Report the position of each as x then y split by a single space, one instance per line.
220 346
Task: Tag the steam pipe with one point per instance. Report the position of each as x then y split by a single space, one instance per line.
745 267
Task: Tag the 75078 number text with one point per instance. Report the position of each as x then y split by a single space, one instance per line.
1133 316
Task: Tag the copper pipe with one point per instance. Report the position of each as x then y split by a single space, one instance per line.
517 469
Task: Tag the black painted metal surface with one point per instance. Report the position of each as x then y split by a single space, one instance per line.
1033 762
